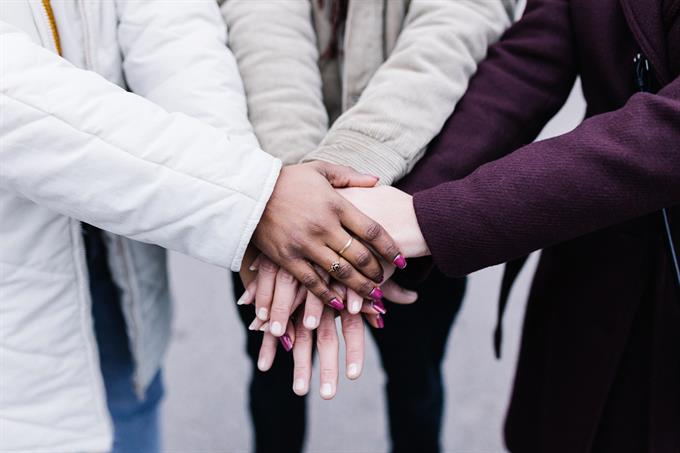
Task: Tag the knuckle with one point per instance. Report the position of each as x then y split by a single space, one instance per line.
285 276
364 258
344 272
366 287
328 373
354 351
391 249
335 206
372 231
303 336
280 310
300 370
268 266
326 337
310 280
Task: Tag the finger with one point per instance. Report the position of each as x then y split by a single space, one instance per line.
327 348
266 281
342 176
255 264
354 301
376 321
302 359
359 256
341 270
267 352
374 307
310 279
372 233
353 333
287 340
313 310
397 294
248 295
256 324
285 292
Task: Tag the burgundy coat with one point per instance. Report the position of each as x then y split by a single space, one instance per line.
599 367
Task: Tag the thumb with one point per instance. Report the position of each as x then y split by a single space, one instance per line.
397 294
342 176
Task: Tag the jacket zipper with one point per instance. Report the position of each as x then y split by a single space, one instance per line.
49 14
643 83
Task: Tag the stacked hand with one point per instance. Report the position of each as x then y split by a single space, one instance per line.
318 252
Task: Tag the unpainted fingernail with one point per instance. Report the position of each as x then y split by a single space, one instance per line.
353 371
242 300
355 307
263 364
377 293
336 303
327 390
253 325
400 261
265 327
380 321
311 322
286 342
379 306
299 385
276 328
252 268
263 313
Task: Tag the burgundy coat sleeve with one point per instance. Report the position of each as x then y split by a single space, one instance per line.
525 79
613 167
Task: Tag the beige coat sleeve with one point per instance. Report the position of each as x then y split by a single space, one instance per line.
280 73
413 93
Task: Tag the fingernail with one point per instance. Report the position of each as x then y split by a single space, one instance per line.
276 328
353 370
377 293
242 300
310 322
252 268
327 390
356 306
374 176
286 342
336 303
379 306
262 313
380 321
299 385
263 364
399 261
265 327
253 325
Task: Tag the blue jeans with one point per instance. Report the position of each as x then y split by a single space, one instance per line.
135 422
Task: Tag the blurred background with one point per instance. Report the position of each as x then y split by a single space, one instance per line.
207 371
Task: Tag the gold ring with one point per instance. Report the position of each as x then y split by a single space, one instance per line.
344 249
335 267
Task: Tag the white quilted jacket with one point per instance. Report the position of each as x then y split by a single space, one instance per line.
175 164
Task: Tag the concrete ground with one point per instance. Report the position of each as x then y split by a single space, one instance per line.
207 371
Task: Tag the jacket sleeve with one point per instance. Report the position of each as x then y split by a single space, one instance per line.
524 81
175 54
275 45
413 93
75 143
612 168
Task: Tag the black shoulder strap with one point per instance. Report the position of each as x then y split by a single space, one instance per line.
512 270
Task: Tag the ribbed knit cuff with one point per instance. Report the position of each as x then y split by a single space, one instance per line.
361 152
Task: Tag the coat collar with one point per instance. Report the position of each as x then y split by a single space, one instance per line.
645 19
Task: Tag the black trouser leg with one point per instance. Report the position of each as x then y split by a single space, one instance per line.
412 347
278 414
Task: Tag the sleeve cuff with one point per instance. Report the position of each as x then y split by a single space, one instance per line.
362 153
256 214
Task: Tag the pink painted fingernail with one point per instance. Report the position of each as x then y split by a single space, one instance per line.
286 342
379 306
400 261
381 322
377 293
337 304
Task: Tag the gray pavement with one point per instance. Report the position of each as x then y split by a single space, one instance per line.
206 370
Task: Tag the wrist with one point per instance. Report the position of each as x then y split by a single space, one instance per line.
410 239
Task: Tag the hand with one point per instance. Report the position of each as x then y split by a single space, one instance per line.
393 209
305 221
277 294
